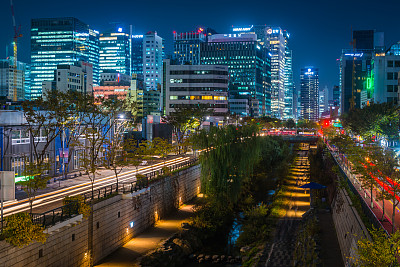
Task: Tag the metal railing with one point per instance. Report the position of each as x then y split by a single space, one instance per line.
130 187
51 217
364 206
70 210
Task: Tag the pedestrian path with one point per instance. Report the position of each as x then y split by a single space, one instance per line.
377 206
281 251
130 253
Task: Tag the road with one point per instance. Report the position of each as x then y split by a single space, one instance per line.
377 206
52 197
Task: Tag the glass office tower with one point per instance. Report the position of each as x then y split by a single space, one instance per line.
115 52
248 65
56 41
137 54
309 93
187 47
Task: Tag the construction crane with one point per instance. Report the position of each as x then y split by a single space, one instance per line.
17 34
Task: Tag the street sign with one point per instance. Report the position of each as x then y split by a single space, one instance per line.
7 180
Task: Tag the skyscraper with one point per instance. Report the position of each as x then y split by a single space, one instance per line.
187 46
276 42
248 65
309 85
336 96
115 51
60 41
289 85
323 98
356 69
152 60
137 54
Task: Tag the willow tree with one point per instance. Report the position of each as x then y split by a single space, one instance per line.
230 155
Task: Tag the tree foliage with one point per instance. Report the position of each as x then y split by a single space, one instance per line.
20 230
373 120
185 119
76 204
230 155
382 250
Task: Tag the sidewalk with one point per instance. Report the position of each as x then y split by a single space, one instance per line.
377 207
55 184
129 254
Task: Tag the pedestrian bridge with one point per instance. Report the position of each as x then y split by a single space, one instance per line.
300 138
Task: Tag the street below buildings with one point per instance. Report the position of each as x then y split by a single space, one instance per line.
378 206
52 197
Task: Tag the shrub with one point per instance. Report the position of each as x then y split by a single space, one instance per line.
20 230
76 205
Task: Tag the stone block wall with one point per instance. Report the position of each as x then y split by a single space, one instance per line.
115 221
348 224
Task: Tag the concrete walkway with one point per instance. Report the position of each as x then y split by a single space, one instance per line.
149 240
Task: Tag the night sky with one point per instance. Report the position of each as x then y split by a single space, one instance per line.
319 28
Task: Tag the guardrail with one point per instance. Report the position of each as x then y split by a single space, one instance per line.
364 206
60 214
70 210
130 187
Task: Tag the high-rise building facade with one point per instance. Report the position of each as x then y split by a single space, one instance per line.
152 60
187 46
276 41
248 65
115 51
288 112
336 96
60 41
309 89
384 77
323 99
191 85
77 77
7 85
357 69
137 54
277 46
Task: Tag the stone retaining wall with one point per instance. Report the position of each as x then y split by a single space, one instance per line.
116 221
348 224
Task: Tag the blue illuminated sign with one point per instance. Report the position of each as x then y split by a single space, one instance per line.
242 29
354 54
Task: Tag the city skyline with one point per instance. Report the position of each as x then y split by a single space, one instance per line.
315 42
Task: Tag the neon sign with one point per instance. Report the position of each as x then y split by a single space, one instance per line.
354 54
309 72
242 29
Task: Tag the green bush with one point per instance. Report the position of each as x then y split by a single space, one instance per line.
76 205
21 231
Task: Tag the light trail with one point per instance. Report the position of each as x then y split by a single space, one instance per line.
58 195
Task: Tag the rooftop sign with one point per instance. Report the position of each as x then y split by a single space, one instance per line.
242 29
